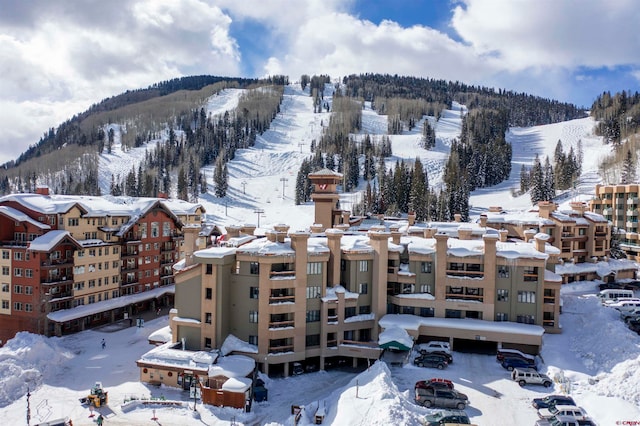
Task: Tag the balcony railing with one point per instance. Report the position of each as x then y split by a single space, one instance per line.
461 273
282 274
458 296
549 300
280 349
57 263
273 300
57 280
281 324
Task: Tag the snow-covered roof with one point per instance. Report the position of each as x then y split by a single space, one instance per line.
161 335
107 305
395 334
552 276
264 247
171 355
18 216
234 344
332 293
232 366
413 322
600 268
237 384
50 240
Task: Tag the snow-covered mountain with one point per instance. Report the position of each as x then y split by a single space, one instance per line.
262 178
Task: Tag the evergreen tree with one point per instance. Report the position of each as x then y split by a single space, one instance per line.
419 194
537 182
183 190
524 179
628 174
220 178
428 135
131 186
549 181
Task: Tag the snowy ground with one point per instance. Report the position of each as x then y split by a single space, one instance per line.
596 354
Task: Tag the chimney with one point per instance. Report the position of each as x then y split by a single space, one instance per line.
42 190
503 235
281 232
412 218
541 241
395 234
483 220
248 229
457 217
529 234
346 215
495 209
271 235
233 231
545 208
190 237
578 207
430 232
464 232
317 228
163 195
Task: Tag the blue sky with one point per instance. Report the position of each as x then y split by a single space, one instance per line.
58 58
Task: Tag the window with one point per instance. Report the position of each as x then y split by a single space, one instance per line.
209 270
17 255
253 340
425 267
5 254
28 289
78 285
407 288
254 268
313 316
349 335
253 316
143 230
92 283
313 292
92 299
312 340
503 271
5 270
501 316
314 268
526 319
364 310
5 288
207 317
349 311
502 295
154 230
166 229
208 293
425 288
527 296
5 304
17 272
427 312
207 342
28 273
531 273
409 310
253 292
17 306
363 288
17 289
363 265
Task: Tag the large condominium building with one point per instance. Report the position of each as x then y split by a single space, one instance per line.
619 205
329 292
71 262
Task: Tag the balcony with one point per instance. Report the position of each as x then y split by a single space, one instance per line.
129 253
57 263
282 275
166 248
469 274
631 212
280 349
549 300
274 300
57 280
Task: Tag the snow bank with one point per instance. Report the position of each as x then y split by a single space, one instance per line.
26 362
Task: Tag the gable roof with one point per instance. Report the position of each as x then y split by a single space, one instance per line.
51 239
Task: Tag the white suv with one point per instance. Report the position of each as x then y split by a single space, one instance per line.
529 376
562 410
434 346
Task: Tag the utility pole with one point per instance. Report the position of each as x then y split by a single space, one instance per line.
259 212
301 144
283 180
244 184
28 407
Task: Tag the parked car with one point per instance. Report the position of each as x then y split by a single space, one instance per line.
435 383
431 360
445 398
529 376
564 421
444 355
511 363
563 410
550 400
297 369
442 417
434 346
514 353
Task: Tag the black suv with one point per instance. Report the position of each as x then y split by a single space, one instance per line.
445 398
431 360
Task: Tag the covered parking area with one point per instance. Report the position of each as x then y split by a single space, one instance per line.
469 335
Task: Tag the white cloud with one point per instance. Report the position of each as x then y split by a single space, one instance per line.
551 33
